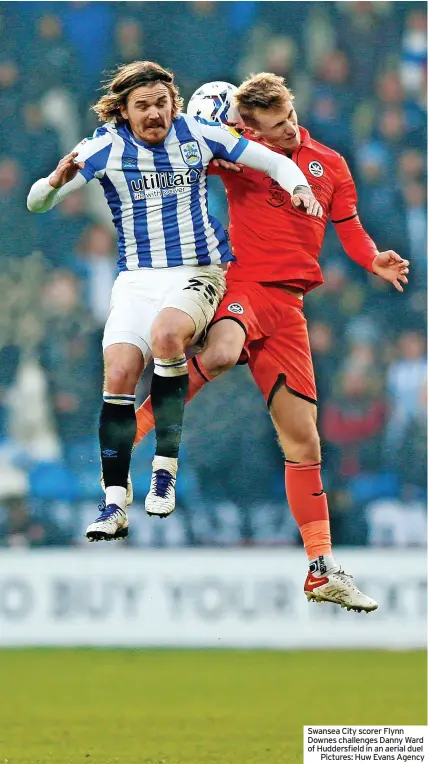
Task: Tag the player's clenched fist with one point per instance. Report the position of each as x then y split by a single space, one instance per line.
303 197
66 170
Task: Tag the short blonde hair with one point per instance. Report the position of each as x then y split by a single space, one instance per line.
124 80
262 91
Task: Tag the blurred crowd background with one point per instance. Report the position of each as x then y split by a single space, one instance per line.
358 70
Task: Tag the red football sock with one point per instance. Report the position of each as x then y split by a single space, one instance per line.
198 377
308 504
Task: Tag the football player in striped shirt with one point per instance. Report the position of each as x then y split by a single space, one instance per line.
151 161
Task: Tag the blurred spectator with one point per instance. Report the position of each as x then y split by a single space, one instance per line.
391 129
414 52
40 146
411 165
325 357
129 39
362 357
60 230
361 27
406 379
193 27
97 264
380 205
280 55
20 528
353 422
340 297
409 458
389 89
9 361
332 103
10 99
53 61
71 358
56 79
416 224
89 28
18 228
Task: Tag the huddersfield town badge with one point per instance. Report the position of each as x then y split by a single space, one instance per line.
191 153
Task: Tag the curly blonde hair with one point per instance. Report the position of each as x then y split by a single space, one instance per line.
125 79
262 91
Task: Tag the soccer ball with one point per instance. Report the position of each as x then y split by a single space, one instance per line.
214 102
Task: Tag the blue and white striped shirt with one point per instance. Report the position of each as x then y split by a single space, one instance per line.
158 193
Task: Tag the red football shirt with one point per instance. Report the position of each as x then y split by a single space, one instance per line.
275 243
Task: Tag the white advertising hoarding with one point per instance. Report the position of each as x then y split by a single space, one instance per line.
108 595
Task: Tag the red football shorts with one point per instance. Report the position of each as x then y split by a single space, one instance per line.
277 343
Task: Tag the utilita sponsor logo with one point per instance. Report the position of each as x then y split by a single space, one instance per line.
163 183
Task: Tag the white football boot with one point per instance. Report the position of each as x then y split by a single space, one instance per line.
337 587
160 500
111 524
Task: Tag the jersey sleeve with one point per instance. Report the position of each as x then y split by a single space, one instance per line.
280 168
94 152
42 196
344 205
223 142
354 239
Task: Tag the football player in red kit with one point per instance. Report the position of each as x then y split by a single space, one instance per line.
261 318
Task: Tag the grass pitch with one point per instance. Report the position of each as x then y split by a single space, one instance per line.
201 707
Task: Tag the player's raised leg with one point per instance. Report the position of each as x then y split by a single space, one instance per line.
295 422
221 352
123 367
171 333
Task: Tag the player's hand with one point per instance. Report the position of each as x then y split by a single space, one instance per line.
66 170
305 198
225 165
391 267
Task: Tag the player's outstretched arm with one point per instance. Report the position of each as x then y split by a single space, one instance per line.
285 172
356 242
226 144
47 192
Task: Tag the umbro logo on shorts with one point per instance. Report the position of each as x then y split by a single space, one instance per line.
235 307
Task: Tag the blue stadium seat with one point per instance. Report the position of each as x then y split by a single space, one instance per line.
52 481
369 486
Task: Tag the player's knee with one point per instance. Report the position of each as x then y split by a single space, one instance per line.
307 445
220 358
311 449
167 341
302 444
120 378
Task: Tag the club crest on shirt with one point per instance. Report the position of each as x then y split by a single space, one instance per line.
191 153
235 307
316 169
277 196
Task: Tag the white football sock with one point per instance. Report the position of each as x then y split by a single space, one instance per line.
323 565
116 494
